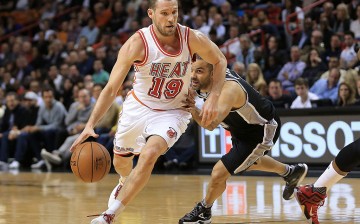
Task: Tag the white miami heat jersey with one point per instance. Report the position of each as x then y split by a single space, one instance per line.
162 79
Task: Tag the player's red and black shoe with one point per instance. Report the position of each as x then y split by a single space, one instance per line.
310 198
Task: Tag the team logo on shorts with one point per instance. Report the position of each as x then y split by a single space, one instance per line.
171 133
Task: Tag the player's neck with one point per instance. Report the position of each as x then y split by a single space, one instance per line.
166 40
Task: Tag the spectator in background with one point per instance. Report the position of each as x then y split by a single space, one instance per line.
66 96
350 76
13 119
355 24
100 54
85 63
239 68
78 114
231 47
291 7
54 79
102 15
256 79
328 88
219 27
342 21
272 68
326 31
246 54
328 9
348 56
91 32
50 117
335 48
272 49
315 43
118 17
100 76
276 95
304 97
346 95
10 140
291 70
314 67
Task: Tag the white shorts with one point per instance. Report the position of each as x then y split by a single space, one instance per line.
138 122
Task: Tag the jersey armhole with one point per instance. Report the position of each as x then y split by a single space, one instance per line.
187 34
146 47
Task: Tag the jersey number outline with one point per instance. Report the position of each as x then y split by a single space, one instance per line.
172 88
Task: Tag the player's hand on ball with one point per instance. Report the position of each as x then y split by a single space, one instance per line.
86 133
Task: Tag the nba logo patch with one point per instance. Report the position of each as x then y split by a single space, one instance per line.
171 133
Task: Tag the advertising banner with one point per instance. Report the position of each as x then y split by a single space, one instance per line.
311 139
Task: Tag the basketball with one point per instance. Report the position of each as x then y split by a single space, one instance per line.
90 162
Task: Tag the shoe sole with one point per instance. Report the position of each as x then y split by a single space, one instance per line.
302 207
300 180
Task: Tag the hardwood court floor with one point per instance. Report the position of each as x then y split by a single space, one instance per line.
52 198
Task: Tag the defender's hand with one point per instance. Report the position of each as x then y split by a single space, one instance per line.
209 111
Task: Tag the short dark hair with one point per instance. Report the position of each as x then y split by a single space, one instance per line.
301 81
12 94
350 33
152 3
197 57
275 80
47 88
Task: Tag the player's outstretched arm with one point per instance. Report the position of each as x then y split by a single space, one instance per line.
131 51
231 96
207 50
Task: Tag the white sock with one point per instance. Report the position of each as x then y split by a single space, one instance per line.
115 207
328 178
287 171
205 205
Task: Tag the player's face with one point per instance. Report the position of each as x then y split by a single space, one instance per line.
165 16
200 75
301 90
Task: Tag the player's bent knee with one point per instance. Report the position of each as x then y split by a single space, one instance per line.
148 157
349 157
122 161
219 172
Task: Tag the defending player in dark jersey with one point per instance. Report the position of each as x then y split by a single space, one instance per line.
254 127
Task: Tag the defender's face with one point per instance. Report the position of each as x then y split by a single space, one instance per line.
165 16
200 75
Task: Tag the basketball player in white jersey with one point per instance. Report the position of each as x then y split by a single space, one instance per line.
151 120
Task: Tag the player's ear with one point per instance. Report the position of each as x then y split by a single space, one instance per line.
150 13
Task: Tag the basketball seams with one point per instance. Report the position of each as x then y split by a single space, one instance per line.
102 150
92 162
78 159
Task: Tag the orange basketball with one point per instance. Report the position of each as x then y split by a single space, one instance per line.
90 162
